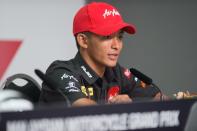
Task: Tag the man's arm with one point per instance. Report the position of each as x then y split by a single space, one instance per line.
68 83
83 102
159 97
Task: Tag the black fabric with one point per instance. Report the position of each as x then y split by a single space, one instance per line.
31 90
77 80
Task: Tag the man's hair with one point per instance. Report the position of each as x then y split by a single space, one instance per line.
87 33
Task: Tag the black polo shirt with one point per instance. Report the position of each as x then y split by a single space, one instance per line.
75 80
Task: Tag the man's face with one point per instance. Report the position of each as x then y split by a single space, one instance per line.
105 50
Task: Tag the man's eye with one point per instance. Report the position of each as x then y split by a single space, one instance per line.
121 37
107 37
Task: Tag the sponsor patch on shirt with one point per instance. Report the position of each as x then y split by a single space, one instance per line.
87 72
136 79
87 91
83 89
71 87
127 73
66 76
113 91
90 91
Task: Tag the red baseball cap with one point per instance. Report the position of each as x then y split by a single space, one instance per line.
100 18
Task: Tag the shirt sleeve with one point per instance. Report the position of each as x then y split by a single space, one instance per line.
68 84
142 90
134 87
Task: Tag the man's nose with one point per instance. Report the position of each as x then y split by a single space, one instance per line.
116 43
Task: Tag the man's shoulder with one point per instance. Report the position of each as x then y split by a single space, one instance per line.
62 65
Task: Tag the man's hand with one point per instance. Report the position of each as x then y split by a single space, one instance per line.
120 99
160 97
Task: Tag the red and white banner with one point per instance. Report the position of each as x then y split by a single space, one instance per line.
35 33
8 50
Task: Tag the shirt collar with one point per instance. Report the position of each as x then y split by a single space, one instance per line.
110 75
88 74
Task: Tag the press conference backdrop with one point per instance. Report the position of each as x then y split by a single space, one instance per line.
43 29
164 46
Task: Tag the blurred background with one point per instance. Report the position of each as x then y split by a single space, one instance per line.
35 33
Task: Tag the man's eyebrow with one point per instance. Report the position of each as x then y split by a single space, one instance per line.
121 32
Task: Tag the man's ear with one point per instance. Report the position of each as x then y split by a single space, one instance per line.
82 40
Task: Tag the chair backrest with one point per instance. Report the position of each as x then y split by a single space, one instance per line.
191 124
31 89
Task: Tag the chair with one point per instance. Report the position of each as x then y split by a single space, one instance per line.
31 90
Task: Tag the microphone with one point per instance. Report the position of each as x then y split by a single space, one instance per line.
145 79
141 76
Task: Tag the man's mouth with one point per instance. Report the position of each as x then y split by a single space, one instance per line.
113 56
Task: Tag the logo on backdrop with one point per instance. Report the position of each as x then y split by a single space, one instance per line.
8 49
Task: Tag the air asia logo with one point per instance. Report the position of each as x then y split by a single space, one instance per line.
110 12
65 76
8 49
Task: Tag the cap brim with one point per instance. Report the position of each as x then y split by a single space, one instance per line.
108 30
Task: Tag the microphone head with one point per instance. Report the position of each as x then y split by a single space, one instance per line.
141 76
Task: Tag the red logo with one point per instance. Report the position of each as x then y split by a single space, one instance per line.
113 91
8 49
127 73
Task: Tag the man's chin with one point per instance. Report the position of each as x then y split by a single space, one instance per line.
111 64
